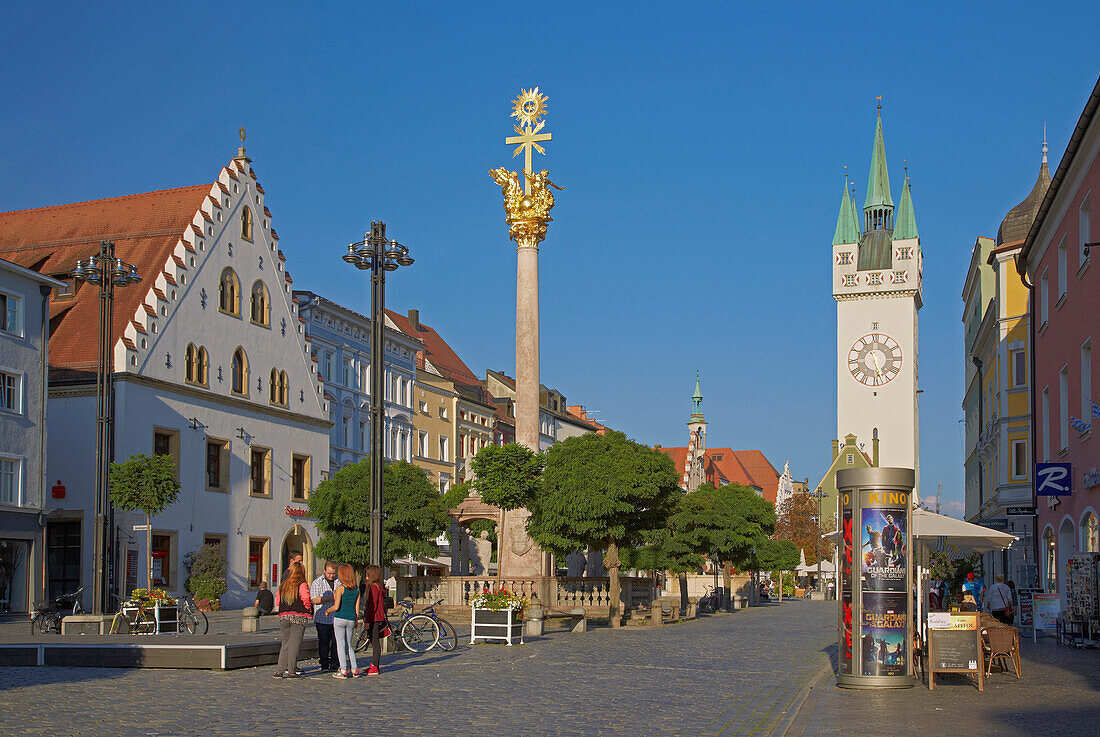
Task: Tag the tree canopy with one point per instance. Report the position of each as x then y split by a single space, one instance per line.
777 555
144 483
414 514
507 476
797 522
727 522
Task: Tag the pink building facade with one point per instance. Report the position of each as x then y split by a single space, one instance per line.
1057 262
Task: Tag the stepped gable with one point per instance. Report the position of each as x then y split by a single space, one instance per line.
50 240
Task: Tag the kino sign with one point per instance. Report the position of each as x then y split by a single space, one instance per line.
876 560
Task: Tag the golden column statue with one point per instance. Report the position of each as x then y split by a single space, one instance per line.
527 212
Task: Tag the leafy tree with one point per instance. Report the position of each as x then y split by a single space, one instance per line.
603 492
206 570
797 522
457 494
727 523
777 556
413 513
663 550
507 476
145 483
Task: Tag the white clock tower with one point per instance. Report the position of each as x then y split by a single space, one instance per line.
877 287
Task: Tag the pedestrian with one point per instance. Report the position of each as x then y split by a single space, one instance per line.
374 615
998 601
344 610
295 612
265 600
321 592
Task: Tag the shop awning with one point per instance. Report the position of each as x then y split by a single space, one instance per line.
938 532
826 567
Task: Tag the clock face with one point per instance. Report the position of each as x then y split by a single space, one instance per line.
874 359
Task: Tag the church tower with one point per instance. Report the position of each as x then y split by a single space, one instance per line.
695 465
877 269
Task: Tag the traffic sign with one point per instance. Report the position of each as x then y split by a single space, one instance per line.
140 528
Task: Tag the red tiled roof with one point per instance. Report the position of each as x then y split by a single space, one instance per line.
145 228
223 188
148 309
139 327
726 465
259 188
168 277
440 354
187 245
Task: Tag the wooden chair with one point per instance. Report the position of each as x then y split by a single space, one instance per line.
1002 643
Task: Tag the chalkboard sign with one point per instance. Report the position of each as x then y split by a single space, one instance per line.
954 645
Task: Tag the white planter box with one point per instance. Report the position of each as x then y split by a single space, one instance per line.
489 624
166 617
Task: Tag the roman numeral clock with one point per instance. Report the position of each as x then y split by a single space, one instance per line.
874 359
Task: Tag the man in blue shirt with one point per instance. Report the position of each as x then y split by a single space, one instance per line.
321 591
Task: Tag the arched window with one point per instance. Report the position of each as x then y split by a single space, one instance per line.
246 224
260 311
1090 534
240 372
190 360
284 389
273 387
202 363
229 293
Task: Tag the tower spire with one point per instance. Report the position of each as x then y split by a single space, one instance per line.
878 207
847 225
906 225
697 402
1044 143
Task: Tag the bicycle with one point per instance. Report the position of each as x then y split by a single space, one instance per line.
138 621
709 600
46 619
419 632
192 620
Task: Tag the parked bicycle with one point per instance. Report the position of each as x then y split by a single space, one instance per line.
417 632
192 620
709 601
46 618
133 619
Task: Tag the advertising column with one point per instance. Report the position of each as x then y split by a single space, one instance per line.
875 601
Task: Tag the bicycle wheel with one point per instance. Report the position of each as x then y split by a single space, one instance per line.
448 636
419 634
202 623
362 640
188 622
144 624
46 623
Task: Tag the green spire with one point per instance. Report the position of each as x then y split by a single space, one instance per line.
847 224
697 402
878 181
906 224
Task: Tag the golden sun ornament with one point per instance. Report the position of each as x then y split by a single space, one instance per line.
529 107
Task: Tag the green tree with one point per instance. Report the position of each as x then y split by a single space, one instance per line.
663 550
413 513
145 483
726 523
507 476
777 555
206 570
604 492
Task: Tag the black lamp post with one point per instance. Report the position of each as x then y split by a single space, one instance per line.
819 495
378 255
107 272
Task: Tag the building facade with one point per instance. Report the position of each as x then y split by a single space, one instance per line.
877 272
997 403
340 346
24 365
1056 261
211 367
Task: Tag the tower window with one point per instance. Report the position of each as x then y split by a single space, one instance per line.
845 258
850 280
905 253
874 278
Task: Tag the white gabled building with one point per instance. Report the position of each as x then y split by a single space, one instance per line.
212 366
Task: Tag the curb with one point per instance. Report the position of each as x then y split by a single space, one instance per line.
784 728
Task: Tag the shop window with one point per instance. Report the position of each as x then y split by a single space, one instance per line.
258 554
162 560
1050 564
229 293
299 477
1090 534
217 464
259 472
14 575
62 557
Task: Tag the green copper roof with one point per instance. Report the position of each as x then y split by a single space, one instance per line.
847 224
697 397
905 226
878 181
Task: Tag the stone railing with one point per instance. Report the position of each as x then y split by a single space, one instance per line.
592 593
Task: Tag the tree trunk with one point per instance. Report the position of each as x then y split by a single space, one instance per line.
781 587
500 547
682 577
611 560
727 582
149 552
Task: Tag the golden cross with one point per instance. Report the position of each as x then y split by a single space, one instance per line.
528 139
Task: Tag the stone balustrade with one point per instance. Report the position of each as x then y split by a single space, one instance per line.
592 593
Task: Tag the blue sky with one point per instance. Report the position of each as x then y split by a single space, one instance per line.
701 147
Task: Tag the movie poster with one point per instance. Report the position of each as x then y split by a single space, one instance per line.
846 557
846 628
882 550
883 646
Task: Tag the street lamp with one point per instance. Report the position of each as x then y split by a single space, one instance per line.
378 255
819 495
107 272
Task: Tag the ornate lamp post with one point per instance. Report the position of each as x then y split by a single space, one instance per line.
819 495
107 272
378 255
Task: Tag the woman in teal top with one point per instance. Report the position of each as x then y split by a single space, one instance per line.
344 610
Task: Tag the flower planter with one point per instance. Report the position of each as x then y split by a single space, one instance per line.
490 624
166 617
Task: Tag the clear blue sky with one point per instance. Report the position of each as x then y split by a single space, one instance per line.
701 148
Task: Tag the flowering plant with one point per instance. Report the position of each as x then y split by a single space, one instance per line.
499 601
145 597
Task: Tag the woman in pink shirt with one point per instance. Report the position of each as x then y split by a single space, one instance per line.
295 613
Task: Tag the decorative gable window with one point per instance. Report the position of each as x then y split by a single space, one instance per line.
850 280
240 373
246 224
874 278
229 293
845 258
196 363
260 311
278 390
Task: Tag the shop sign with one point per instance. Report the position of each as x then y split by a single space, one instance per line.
999 524
1020 511
58 490
1053 479
296 512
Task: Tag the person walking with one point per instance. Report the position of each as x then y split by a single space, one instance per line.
322 592
295 611
998 601
374 615
344 611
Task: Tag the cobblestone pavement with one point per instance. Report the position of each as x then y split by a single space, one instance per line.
733 674
1058 694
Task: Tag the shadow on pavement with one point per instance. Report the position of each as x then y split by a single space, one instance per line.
13 678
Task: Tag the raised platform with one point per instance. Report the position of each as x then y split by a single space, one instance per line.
209 652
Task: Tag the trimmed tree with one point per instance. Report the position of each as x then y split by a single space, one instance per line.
725 523
664 550
604 492
413 514
507 476
145 483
